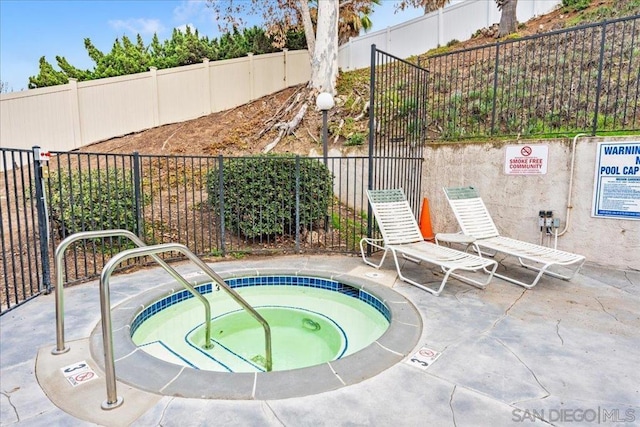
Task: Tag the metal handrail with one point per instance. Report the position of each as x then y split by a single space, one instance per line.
83 235
113 400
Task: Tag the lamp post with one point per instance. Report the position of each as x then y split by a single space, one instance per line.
324 102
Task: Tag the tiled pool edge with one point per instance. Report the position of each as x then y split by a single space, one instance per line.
143 371
271 280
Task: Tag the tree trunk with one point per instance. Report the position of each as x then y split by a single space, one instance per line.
508 18
308 27
324 64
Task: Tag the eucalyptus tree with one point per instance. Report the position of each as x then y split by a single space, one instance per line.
508 18
321 21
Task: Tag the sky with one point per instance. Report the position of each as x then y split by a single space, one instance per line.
30 29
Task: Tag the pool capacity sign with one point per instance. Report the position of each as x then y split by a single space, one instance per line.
526 159
616 192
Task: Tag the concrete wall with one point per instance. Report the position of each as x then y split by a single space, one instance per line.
514 201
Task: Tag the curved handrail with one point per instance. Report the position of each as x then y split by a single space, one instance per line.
113 400
83 235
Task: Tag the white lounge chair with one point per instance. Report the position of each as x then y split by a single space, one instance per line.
401 235
475 221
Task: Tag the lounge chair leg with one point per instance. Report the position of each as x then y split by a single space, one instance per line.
372 242
548 272
447 273
419 285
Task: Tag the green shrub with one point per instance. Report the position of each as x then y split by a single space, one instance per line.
260 193
97 201
356 138
575 5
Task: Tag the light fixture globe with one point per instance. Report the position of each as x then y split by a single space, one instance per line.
325 101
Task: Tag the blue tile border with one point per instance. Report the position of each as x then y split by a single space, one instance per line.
240 282
396 343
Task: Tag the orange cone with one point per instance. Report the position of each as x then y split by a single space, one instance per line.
425 221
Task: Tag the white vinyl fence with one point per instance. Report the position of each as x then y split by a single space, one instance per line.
459 21
66 117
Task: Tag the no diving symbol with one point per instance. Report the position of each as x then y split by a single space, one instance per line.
426 352
526 150
424 358
85 376
78 373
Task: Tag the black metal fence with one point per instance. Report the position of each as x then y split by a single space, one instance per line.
216 206
20 249
583 79
165 199
397 124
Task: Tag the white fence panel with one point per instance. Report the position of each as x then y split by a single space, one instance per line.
42 117
475 15
180 93
358 51
267 74
66 117
418 30
115 106
529 8
230 85
298 69
459 21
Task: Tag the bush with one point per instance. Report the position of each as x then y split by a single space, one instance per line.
575 5
97 201
260 193
357 138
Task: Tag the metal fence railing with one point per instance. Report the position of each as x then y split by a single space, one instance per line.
191 200
583 79
20 250
397 124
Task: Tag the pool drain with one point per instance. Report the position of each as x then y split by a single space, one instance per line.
310 324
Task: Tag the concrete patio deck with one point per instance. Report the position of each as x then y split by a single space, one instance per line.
562 353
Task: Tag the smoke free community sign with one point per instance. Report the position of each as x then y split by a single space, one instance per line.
526 159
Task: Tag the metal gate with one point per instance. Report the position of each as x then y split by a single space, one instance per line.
397 125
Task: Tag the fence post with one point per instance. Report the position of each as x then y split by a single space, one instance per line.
43 221
76 122
372 130
155 99
599 84
137 193
206 98
285 59
495 89
252 77
441 27
298 204
221 204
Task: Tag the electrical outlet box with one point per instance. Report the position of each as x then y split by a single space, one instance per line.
540 219
556 222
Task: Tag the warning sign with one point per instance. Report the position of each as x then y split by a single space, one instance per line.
616 192
424 358
78 373
526 159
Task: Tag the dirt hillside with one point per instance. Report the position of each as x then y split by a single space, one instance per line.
241 130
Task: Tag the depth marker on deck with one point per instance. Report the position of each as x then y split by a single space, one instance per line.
423 358
78 373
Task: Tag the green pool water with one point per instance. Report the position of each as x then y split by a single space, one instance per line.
309 326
